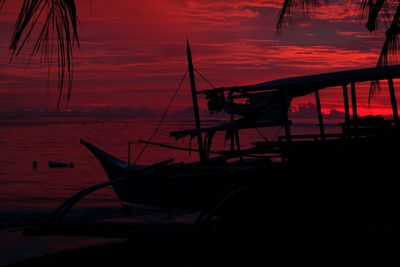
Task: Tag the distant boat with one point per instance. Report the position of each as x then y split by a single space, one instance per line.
34 164
58 164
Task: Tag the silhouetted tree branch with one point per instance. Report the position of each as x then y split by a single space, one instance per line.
52 24
374 10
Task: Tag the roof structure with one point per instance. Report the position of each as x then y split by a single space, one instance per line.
303 85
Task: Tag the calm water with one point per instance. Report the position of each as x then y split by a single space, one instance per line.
21 142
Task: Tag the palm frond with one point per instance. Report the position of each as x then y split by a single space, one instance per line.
290 7
285 16
380 7
389 50
365 7
58 19
377 12
374 87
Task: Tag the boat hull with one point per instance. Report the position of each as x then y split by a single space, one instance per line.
332 189
173 186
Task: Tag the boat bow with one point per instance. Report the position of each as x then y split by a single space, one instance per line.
114 167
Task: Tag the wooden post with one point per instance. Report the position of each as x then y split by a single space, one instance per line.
233 134
394 102
238 144
232 142
285 118
320 118
346 106
195 104
354 102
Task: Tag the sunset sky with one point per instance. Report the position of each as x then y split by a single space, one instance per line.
133 52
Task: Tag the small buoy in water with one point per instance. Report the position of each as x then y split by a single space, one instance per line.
34 165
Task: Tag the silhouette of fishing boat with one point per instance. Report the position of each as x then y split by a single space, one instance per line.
320 176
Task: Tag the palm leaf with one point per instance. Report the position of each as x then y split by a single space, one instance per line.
290 7
365 7
390 47
378 8
57 24
389 50
375 12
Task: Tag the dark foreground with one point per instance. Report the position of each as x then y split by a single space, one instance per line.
339 218
376 248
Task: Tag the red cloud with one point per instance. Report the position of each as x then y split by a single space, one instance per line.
133 52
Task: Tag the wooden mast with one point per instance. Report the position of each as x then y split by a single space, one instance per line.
233 134
195 104
285 118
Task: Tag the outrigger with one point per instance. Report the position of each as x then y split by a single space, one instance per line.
326 173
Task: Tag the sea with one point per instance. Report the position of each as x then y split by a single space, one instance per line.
29 194
40 140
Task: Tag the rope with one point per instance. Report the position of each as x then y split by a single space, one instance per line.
277 132
162 117
204 78
262 135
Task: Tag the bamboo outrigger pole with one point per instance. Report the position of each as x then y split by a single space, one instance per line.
195 105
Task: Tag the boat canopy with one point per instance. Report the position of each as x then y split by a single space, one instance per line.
266 104
264 109
303 85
